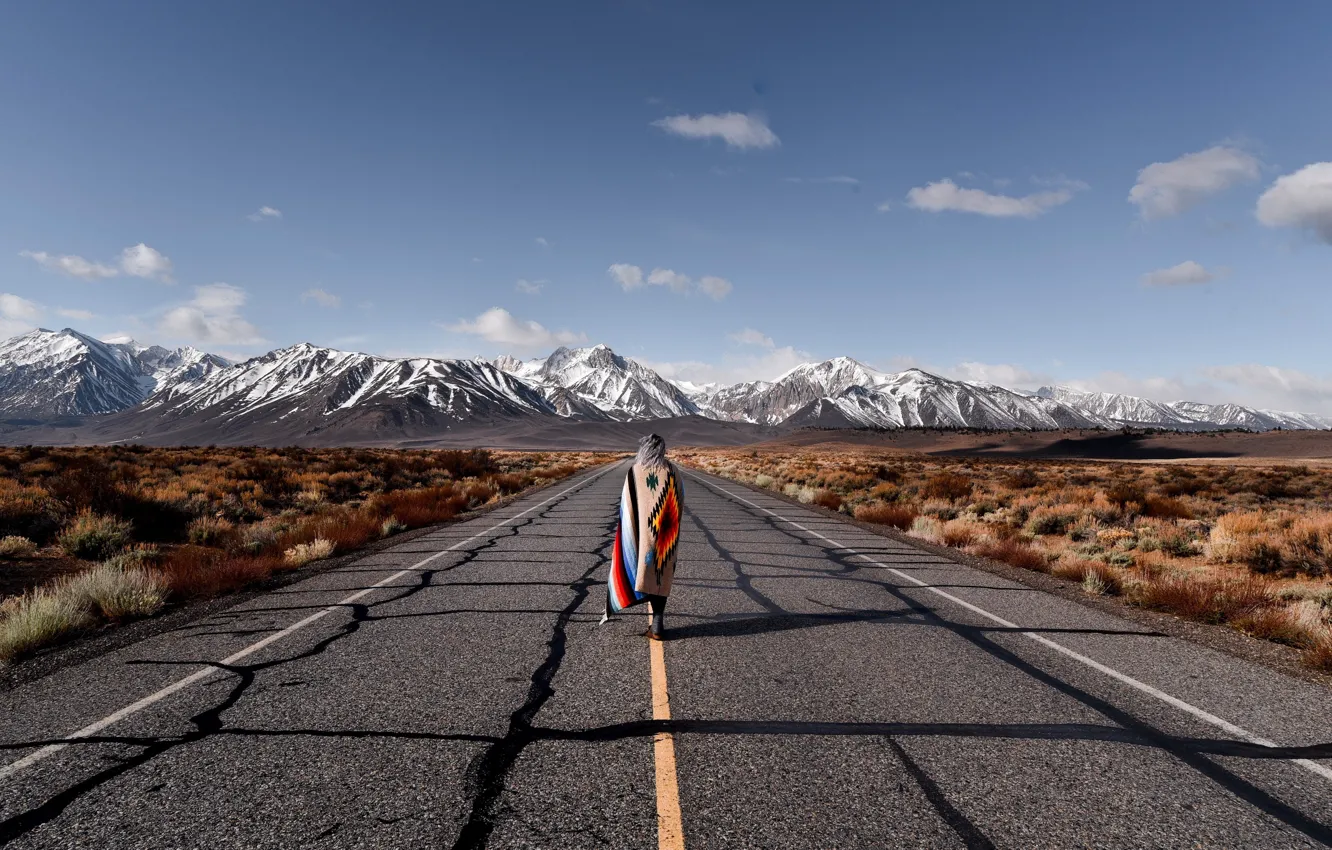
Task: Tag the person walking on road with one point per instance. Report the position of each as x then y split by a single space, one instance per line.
647 536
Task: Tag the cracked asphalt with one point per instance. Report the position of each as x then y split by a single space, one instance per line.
818 700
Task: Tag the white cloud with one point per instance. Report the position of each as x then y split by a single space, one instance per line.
884 207
212 317
749 336
17 315
135 261
529 287
1301 199
627 276
1275 388
322 298
81 315
497 325
543 242
263 213
1004 374
673 279
1169 188
1185 274
736 129
631 277
142 261
477 260
715 287
70 265
767 363
839 179
946 195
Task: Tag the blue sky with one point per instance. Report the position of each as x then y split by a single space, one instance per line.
719 190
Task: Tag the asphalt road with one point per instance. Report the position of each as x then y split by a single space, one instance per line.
829 688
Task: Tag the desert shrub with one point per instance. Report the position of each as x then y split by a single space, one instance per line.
1205 599
1319 654
304 553
16 546
940 509
927 528
1307 545
39 618
1122 493
391 526
890 474
947 485
211 531
1230 530
898 516
1280 623
1022 478
960 533
1013 552
29 512
1050 520
116 593
1262 554
886 492
1096 577
764 481
1166 508
827 499
94 537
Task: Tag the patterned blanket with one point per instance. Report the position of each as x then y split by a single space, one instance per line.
643 557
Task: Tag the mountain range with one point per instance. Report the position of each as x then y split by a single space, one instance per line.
305 393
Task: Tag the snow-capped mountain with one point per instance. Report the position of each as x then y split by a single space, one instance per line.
617 387
305 392
915 398
47 373
306 388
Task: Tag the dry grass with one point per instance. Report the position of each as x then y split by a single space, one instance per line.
897 516
206 521
1215 543
16 546
303 553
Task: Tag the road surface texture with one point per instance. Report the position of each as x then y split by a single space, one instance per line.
828 688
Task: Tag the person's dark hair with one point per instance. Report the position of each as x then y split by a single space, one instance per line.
651 451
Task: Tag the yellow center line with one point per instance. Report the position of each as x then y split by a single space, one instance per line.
670 834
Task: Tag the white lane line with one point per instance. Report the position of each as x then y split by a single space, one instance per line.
199 675
1201 714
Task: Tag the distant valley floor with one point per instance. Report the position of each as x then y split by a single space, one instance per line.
552 433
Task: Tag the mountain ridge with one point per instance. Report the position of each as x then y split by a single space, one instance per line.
137 391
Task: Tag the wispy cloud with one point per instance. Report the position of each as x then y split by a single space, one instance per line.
1187 273
749 336
841 180
543 242
135 261
499 326
1169 188
736 129
77 315
264 213
322 298
945 195
1302 199
17 315
212 317
529 287
631 277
